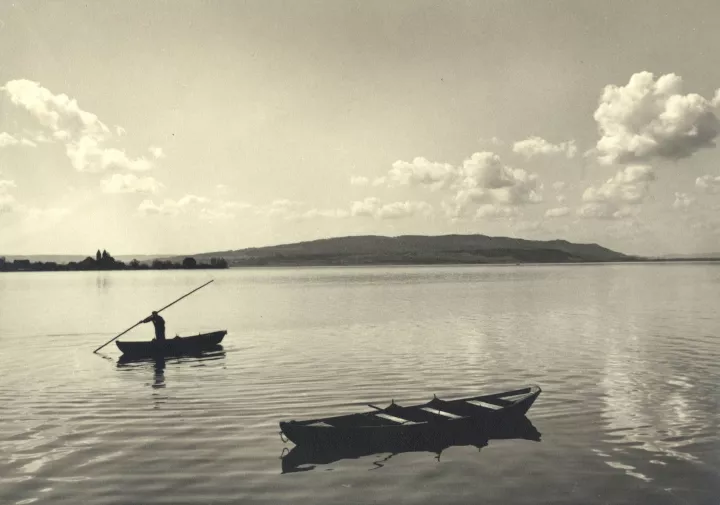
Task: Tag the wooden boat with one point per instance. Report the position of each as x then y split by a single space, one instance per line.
173 346
302 458
437 419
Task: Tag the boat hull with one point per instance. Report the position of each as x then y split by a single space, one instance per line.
297 459
174 346
350 431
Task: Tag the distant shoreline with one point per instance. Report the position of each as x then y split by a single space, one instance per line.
366 250
290 264
103 261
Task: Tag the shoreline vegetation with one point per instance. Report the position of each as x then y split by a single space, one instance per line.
365 251
104 261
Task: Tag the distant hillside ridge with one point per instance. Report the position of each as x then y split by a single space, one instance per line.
374 249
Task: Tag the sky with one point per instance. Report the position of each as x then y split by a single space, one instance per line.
180 127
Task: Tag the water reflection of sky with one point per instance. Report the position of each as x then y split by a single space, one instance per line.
648 406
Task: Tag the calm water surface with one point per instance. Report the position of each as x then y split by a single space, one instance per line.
627 356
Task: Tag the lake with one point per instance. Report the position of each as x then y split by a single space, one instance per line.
627 356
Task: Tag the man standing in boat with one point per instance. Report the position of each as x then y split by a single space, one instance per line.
159 324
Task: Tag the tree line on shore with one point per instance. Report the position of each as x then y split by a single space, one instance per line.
104 261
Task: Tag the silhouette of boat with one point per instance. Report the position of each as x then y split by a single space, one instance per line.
191 356
174 346
435 420
298 459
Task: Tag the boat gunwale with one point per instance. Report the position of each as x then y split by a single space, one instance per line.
531 391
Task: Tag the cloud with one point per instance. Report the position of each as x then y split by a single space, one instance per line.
482 179
55 112
605 210
81 131
611 200
708 183
130 183
86 155
358 180
6 185
157 152
172 207
422 172
371 207
397 210
495 141
7 140
558 185
366 207
485 180
557 212
7 201
629 185
682 201
534 146
491 210
649 118
326 213
283 207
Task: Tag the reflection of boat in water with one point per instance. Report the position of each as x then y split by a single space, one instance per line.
159 363
177 346
303 458
435 420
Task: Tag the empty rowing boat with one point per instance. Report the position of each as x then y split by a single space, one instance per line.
413 424
304 457
173 346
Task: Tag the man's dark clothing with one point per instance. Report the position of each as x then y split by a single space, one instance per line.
159 324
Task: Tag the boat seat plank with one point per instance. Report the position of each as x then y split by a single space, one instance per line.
441 413
321 424
515 398
486 405
394 419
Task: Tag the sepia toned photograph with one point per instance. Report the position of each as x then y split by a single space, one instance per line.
359 252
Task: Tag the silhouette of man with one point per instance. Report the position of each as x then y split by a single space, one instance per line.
159 324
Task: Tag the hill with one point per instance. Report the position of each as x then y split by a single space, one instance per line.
418 249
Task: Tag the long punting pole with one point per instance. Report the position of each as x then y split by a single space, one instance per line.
158 311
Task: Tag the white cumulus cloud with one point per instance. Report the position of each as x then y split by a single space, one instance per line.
7 140
650 118
422 172
614 198
534 146
173 207
372 207
557 212
682 201
83 134
482 179
359 180
326 213
157 152
87 155
7 201
708 183
130 183
494 211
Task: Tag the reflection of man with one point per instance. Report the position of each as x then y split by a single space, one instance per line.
159 324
